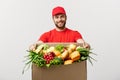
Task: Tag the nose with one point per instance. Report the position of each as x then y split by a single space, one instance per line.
59 18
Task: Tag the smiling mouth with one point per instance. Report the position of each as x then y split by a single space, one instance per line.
61 22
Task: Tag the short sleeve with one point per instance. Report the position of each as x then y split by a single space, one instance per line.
44 37
77 35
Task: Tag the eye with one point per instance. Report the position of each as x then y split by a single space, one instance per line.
62 16
56 17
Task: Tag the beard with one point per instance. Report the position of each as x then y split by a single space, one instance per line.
61 27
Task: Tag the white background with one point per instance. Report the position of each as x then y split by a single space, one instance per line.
23 21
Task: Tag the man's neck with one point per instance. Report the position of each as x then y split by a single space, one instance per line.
60 29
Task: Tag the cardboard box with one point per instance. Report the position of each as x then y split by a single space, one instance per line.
75 71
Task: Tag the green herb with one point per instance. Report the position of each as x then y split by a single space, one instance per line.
34 58
83 51
56 61
59 47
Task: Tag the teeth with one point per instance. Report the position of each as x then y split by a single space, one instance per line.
60 23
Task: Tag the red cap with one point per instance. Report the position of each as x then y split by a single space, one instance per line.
58 10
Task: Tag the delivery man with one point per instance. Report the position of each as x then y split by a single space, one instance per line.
60 33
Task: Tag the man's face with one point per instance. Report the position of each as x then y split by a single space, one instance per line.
60 21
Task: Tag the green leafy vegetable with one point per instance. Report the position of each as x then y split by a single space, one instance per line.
59 47
83 51
56 61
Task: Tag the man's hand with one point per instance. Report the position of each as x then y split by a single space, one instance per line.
83 43
33 46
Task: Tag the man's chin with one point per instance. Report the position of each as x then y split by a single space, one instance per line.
60 27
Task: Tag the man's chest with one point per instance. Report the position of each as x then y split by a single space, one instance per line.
63 37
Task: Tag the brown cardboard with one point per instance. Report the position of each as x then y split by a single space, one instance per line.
75 71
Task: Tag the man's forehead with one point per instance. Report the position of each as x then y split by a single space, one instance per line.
60 14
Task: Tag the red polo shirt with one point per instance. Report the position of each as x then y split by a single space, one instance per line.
67 35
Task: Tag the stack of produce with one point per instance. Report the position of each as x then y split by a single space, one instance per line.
46 55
